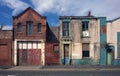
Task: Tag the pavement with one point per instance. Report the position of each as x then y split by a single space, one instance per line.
59 68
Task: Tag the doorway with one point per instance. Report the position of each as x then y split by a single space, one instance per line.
66 53
109 58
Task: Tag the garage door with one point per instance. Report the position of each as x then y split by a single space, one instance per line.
29 53
4 55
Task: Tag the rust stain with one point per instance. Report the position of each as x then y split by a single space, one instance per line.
104 29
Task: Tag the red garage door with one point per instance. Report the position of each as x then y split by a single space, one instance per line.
27 54
4 55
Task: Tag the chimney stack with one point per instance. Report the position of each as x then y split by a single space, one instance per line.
89 13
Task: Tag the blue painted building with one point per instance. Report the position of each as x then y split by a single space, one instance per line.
113 40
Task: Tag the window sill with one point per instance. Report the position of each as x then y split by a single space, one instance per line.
86 58
19 32
85 36
30 35
39 32
65 36
56 51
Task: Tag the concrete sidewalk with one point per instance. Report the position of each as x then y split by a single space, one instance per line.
61 68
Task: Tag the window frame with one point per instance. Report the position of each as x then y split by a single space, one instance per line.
55 48
65 29
85 48
85 29
39 27
86 25
19 27
29 28
84 55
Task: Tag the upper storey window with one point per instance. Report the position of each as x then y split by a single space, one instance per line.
19 27
65 29
29 28
85 25
85 28
39 27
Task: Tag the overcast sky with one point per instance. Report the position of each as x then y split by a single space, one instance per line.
55 8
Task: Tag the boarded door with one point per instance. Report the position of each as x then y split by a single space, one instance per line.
109 58
66 53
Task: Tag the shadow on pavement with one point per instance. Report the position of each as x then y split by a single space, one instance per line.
6 67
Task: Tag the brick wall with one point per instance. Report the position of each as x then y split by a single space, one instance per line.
51 57
29 15
5 47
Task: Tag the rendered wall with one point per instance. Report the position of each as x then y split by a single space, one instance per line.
77 40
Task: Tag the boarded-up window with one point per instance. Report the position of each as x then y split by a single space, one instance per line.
4 52
66 50
85 50
56 49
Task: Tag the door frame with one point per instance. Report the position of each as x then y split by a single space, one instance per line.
66 58
70 52
109 58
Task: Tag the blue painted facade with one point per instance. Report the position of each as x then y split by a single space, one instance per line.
103 41
116 62
85 61
105 49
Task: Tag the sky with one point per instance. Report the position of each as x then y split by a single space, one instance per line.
55 8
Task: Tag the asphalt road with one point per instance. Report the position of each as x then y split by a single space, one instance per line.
61 73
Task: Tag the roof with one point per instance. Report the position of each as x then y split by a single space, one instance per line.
53 34
113 19
55 30
29 8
